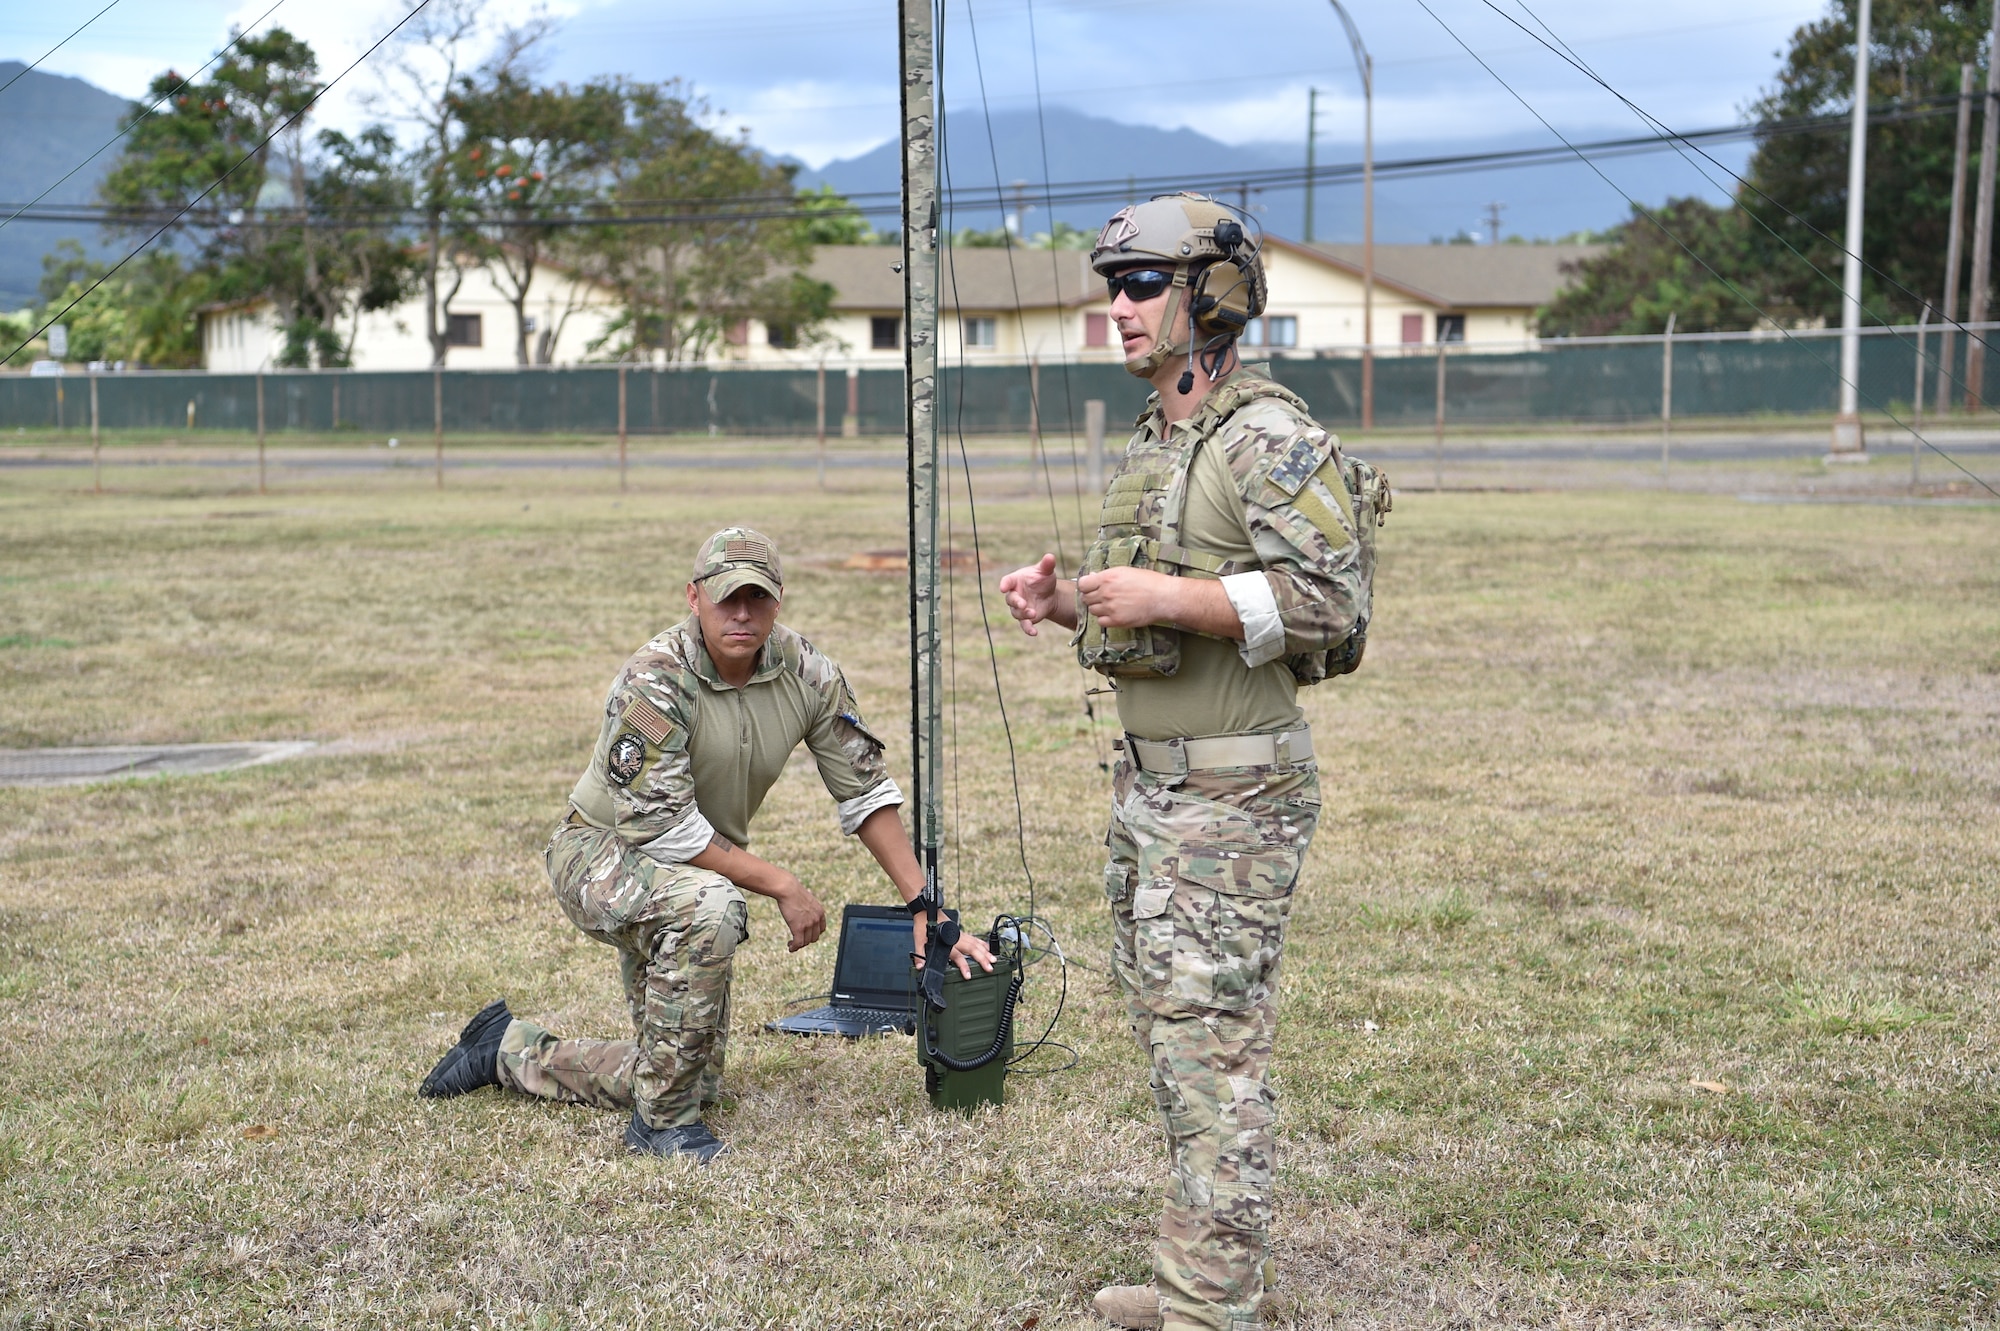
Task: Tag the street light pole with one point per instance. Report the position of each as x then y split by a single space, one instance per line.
1365 65
1847 436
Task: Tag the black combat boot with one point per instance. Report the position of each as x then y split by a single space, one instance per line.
475 1060
695 1139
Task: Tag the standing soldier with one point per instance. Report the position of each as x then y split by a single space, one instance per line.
651 854
1229 568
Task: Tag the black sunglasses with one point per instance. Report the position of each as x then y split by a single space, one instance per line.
1139 283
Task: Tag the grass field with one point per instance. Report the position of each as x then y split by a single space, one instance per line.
1643 973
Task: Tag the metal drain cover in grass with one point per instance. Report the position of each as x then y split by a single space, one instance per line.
77 767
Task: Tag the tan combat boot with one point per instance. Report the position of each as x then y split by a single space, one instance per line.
1133 1306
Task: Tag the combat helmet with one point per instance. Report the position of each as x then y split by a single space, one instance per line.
1218 268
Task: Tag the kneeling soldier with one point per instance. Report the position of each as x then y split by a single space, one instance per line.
650 858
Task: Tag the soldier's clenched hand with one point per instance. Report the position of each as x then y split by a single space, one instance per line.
1126 598
803 915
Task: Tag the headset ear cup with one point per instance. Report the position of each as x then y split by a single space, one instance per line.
1225 297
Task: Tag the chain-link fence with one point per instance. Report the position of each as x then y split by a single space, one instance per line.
1607 381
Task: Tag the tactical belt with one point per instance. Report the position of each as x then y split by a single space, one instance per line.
1178 757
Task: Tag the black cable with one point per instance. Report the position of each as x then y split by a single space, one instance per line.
1568 56
1666 231
1097 750
1013 276
293 119
972 512
57 47
134 123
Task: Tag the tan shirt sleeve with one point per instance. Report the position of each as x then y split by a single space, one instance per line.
640 778
1302 527
849 756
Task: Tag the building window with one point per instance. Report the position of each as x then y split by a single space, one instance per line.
737 332
465 330
982 333
1273 330
1451 328
1097 330
885 332
781 335
1413 328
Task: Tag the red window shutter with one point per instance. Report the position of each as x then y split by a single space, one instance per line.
1097 330
1413 328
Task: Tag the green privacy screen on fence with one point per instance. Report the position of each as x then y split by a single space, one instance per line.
1608 382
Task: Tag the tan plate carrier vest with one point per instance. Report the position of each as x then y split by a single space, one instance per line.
1140 527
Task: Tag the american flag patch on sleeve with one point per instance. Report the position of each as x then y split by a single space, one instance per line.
647 719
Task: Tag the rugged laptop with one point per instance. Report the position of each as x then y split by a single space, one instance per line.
874 990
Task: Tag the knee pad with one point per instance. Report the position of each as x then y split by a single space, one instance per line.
721 922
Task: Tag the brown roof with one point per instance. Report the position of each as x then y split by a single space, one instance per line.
863 278
1463 276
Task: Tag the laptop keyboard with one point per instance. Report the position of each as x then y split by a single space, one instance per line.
867 1016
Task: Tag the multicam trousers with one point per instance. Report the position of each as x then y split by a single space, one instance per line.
676 929
1200 883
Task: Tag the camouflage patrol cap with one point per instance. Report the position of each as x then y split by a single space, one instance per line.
737 557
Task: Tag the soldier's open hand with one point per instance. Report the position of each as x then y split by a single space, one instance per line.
968 949
1032 593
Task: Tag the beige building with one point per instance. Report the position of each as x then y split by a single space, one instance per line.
568 315
997 305
1005 305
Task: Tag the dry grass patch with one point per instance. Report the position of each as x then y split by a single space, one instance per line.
1634 793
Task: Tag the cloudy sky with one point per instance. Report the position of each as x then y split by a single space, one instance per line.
818 81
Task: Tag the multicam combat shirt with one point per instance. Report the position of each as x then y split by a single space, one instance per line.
1304 599
682 755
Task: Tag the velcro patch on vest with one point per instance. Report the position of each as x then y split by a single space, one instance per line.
648 720
1299 462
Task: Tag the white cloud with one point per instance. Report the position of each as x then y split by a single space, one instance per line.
794 118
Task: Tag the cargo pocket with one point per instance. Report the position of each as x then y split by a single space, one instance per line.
1232 901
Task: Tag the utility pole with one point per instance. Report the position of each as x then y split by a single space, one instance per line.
1917 402
1364 64
819 417
920 317
96 442
1847 435
1312 135
1954 251
1493 211
260 432
437 420
1667 399
1982 228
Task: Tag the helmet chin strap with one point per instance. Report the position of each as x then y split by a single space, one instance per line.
1165 347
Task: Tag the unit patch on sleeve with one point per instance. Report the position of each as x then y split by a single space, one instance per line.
1299 462
628 758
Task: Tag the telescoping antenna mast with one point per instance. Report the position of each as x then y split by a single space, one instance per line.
965 1027
920 366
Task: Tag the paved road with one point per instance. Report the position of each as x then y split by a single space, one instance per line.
1745 447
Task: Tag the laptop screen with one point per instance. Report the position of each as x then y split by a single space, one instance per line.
874 954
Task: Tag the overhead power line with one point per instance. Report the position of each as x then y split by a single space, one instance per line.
135 121
870 203
57 47
216 184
